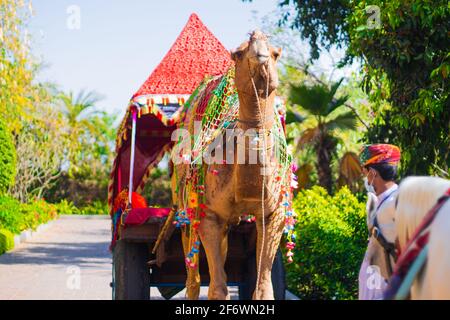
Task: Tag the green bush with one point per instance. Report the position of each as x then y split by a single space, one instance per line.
331 239
95 208
67 207
38 212
11 218
7 159
16 217
6 241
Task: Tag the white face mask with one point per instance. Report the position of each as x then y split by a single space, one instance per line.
369 187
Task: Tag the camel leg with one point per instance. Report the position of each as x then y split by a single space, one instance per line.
193 274
213 234
273 231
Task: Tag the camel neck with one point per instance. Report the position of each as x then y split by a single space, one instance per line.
256 113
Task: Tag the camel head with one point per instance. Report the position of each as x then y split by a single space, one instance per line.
256 59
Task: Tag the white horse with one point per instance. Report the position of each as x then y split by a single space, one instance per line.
416 196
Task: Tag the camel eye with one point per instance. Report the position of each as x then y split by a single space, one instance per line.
237 55
276 53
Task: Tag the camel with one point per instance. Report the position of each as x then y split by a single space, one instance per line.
416 197
234 189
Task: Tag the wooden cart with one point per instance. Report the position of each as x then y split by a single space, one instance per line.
136 269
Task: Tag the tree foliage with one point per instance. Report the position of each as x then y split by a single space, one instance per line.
17 90
321 22
26 106
91 132
7 159
56 135
405 64
88 153
320 102
157 190
41 146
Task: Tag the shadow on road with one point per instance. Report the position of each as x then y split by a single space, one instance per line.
80 254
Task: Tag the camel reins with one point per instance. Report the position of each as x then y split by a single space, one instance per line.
263 120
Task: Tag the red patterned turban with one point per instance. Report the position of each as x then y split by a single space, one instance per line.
380 153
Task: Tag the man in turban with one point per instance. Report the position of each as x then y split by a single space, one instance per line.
380 163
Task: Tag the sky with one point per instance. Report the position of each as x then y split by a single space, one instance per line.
112 46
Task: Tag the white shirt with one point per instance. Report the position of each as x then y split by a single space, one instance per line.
386 213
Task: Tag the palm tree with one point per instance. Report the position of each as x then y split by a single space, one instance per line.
78 108
79 111
319 102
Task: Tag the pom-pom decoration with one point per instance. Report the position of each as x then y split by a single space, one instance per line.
121 201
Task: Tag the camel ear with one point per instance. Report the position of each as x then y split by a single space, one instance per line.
276 53
236 54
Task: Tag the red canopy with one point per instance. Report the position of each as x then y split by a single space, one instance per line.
195 54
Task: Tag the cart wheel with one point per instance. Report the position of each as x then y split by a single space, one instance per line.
131 274
278 278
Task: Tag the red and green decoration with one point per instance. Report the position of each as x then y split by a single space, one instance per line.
215 103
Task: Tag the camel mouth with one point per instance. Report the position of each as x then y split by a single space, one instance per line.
262 58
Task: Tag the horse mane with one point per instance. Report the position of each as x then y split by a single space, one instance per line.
416 196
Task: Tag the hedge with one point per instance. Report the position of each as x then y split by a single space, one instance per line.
6 241
331 240
17 217
7 159
95 208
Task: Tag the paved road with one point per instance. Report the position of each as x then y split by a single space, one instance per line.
69 260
